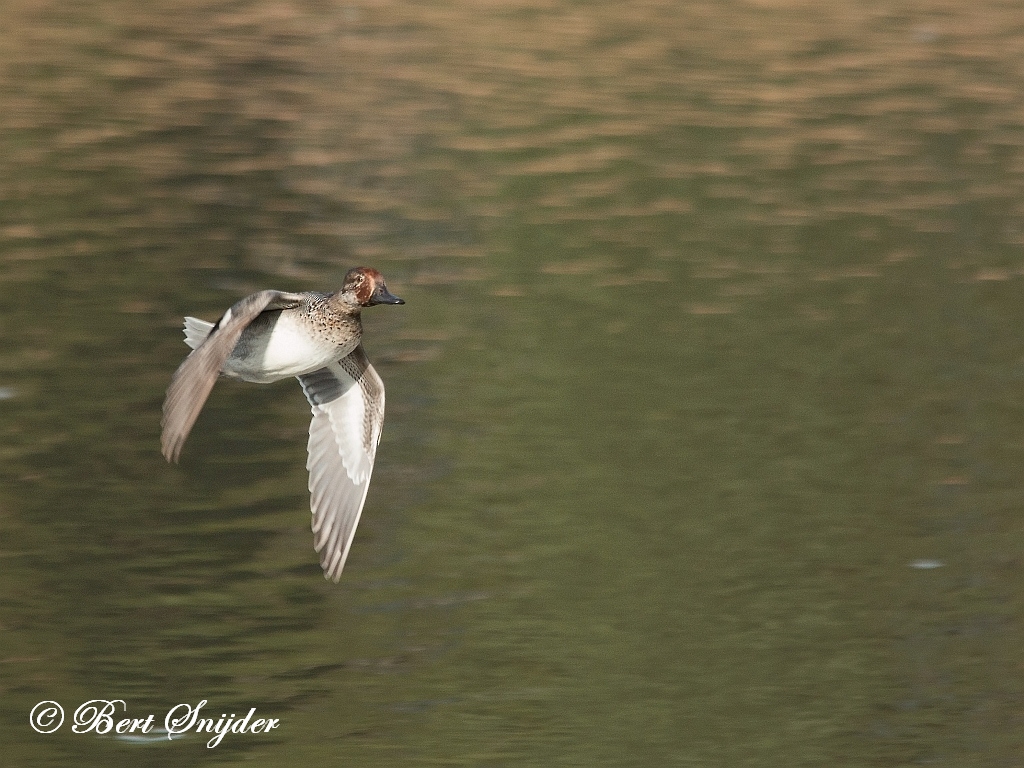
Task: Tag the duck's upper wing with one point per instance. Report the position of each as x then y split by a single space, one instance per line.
195 377
347 398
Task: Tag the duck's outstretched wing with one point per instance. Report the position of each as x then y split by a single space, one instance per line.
195 377
347 398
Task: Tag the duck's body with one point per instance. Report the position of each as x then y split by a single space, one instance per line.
273 335
279 344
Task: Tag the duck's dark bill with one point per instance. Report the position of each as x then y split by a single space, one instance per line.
382 296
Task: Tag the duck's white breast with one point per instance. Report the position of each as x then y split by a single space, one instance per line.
279 347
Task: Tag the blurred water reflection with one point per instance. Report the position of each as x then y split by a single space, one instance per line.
712 329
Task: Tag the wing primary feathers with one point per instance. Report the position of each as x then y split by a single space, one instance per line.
192 382
347 402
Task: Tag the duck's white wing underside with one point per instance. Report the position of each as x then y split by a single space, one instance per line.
347 400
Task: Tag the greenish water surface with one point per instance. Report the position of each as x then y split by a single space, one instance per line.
704 411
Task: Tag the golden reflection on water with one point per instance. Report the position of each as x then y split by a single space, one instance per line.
376 113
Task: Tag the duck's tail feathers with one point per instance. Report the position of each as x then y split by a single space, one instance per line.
196 331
